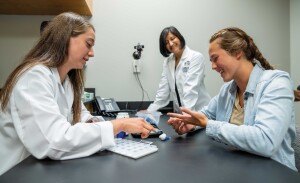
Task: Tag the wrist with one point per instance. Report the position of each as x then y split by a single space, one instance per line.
193 129
117 126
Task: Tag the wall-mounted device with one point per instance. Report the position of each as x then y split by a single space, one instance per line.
136 58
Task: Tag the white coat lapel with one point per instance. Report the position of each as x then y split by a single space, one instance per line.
171 65
69 92
185 54
63 94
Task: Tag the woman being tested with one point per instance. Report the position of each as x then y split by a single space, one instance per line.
254 110
182 78
41 109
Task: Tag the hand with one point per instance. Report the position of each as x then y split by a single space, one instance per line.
297 95
179 126
190 117
132 125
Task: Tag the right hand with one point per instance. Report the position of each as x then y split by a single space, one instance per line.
132 125
190 117
297 95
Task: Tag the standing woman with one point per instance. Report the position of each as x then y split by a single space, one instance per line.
254 110
41 110
183 75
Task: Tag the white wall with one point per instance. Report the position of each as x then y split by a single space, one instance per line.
121 24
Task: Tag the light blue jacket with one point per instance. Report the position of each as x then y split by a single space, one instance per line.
269 116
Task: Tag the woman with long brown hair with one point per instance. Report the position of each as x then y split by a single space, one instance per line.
41 109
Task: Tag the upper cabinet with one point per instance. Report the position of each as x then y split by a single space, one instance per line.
45 7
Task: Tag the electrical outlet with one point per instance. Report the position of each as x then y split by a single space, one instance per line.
136 66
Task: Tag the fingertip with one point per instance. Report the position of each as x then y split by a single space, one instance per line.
170 122
144 135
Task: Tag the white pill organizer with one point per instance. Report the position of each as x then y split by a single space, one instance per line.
133 149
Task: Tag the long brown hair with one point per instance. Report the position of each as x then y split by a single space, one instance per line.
234 40
51 51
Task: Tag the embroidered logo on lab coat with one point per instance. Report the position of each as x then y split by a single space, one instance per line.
186 66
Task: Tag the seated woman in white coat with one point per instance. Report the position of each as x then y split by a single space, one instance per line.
182 79
41 109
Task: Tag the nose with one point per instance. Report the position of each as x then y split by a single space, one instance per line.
213 65
91 52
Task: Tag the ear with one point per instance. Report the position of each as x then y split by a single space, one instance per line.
239 55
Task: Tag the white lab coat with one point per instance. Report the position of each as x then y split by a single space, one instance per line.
189 79
38 119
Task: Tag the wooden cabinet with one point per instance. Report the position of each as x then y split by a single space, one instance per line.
45 7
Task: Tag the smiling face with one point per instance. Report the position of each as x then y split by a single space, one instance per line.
173 43
222 62
80 49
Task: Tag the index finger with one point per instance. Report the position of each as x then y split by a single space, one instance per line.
149 127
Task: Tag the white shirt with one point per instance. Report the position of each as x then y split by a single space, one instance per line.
189 80
37 122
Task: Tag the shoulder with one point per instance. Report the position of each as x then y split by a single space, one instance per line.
38 72
39 69
194 55
275 77
272 74
274 82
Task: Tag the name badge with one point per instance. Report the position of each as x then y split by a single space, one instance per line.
186 66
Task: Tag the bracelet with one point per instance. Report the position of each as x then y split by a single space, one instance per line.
93 119
193 129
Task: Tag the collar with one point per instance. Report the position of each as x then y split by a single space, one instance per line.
253 80
184 54
57 77
55 74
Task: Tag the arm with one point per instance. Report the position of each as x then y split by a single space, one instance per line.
297 95
265 134
44 131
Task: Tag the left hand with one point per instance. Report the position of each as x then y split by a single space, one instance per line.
179 126
191 117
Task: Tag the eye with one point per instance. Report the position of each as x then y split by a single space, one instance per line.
170 40
214 59
89 45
